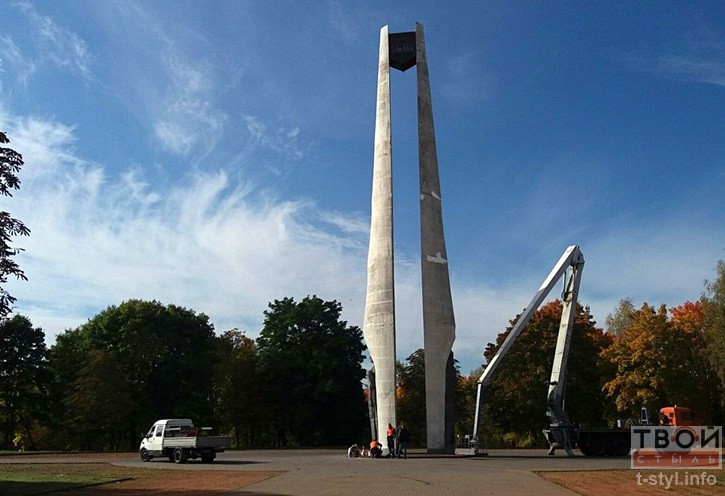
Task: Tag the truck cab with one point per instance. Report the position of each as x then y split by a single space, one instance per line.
677 416
154 439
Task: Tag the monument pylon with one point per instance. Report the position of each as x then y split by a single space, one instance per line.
403 51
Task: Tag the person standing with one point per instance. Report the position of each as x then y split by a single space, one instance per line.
403 438
391 440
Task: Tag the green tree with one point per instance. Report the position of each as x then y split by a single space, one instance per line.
410 406
65 360
22 377
621 318
713 302
167 354
10 164
100 405
239 392
310 362
466 390
514 404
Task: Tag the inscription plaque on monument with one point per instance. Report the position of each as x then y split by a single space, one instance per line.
402 50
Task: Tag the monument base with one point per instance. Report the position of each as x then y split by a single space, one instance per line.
441 451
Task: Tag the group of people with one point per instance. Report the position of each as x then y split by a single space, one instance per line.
397 443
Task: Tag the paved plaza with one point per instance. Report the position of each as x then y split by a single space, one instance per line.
330 472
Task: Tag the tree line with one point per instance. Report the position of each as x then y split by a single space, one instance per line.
101 385
301 382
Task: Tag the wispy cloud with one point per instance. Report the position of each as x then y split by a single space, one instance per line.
346 25
700 59
13 62
47 143
465 80
689 69
189 115
349 223
58 45
654 263
208 242
280 139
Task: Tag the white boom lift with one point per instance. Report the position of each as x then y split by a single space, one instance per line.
569 265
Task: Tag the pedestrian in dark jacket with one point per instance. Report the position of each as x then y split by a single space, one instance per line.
403 439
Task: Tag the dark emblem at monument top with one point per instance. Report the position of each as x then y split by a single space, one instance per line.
402 50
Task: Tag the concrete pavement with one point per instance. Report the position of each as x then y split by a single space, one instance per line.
330 472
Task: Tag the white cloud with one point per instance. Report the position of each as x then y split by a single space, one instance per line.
689 69
283 140
139 188
700 59
188 116
49 143
19 66
174 136
206 243
651 263
60 46
348 223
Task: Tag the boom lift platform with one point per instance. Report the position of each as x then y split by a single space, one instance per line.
561 432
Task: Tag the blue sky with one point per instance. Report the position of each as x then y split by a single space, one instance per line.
218 155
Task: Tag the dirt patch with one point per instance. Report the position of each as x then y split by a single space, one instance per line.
124 481
649 483
196 483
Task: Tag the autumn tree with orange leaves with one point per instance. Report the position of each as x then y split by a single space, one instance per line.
658 361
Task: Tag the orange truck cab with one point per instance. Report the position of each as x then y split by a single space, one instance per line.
677 415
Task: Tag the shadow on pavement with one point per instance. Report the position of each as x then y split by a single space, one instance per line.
201 464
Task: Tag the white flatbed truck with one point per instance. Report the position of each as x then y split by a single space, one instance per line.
178 440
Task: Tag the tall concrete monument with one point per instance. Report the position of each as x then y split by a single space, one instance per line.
402 51
379 323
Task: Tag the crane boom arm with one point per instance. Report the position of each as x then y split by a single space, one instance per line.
572 260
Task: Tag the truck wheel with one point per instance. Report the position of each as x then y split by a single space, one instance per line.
180 456
207 457
599 447
618 447
585 446
145 456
